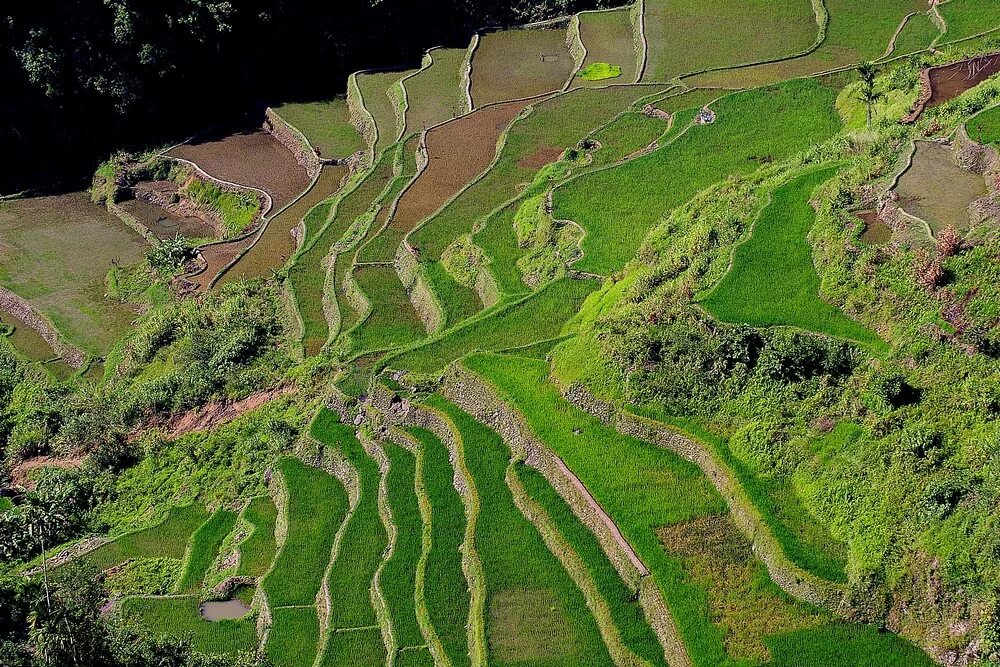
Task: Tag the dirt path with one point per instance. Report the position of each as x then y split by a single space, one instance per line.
21 474
217 413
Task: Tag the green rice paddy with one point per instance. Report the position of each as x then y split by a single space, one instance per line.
618 206
316 506
772 281
445 587
204 547
985 128
258 549
520 571
392 321
168 538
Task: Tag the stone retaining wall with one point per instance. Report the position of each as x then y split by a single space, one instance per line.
20 308
792 579
294 141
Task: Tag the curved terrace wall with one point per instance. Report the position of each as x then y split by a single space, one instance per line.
22 309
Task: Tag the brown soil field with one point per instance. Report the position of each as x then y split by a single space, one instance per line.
458 151
875 231
950 81
542 156
164 224
513 64
277 243
249 158
937 190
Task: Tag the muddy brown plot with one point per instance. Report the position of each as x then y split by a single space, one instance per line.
875 232
249 158
277 243
458 151
217 257
514 64
950 81
542 156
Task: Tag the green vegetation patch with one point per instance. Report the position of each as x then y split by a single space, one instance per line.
180 617
399 575
618 206
294 637
772 280
327 125
435 93
317 505
167 539
626 612
985 128
599 72
534 611
539 316
445 588
459 302
966 18
204 548
693 35
236 209
258 549
364 538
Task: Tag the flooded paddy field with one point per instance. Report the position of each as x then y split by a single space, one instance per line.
277 243
874 231
937 190
950 81
164 224
514 64
253 158
56 252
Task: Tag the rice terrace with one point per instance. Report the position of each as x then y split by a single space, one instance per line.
547 333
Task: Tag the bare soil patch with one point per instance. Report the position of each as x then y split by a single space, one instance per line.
217 413
937 190
253 158
542 156
458 151
950 81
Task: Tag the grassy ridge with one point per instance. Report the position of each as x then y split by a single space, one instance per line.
376 94
618 206
772 280
166 539
519 569
625 610
258 549
317 504
205 543
400 572
364 538
180 617
540 316
445 590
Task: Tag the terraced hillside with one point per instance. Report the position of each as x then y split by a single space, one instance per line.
659 334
